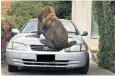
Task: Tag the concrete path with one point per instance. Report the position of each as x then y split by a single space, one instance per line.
93 70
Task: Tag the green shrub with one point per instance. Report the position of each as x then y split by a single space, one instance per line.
107 60
105 17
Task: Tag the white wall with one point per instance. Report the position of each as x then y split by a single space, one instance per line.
81 17
81 14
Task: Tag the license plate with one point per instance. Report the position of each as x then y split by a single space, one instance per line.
45 58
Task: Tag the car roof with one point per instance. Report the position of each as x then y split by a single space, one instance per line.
60 19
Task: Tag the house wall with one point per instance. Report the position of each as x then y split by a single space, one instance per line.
81 17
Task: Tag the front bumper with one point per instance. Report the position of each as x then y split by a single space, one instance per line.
62 59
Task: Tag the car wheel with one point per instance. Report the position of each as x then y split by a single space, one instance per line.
84 69
12 68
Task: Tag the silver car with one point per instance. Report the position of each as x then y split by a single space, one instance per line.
26 50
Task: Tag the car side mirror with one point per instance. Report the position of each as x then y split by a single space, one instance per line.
14 31
85 33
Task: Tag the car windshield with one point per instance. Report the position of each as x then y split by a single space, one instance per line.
31 26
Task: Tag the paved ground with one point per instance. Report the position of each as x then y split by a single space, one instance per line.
93 70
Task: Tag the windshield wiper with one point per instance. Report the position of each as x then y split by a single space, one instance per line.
71 32
34 32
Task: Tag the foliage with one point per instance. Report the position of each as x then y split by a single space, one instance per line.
2 28
21 11
25 8
63 9
104 15
13 21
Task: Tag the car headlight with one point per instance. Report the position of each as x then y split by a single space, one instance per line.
16 46
76 48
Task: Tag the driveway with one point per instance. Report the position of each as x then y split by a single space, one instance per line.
93 70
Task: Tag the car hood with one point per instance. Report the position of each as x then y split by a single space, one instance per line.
32 39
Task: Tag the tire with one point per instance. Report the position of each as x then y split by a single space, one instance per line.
84 69
12 68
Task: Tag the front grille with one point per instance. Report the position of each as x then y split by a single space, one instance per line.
53 63
41 48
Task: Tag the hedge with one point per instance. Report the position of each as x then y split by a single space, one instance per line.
104 14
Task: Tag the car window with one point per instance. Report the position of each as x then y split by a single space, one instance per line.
31 26
68 25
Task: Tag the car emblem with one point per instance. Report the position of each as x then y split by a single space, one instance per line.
45 48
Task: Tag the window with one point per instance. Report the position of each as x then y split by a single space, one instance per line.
94 28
